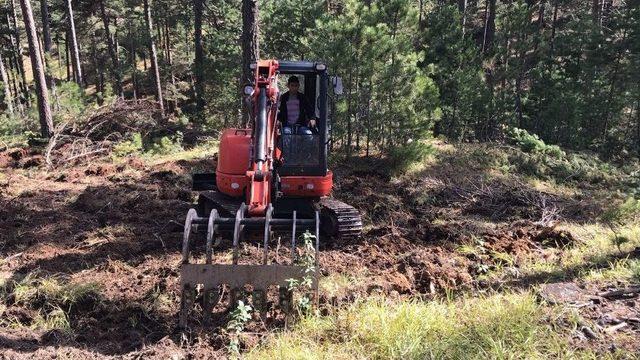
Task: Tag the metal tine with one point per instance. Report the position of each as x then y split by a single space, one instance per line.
186 304
293 239
212 228
237 232
210 298
260 300
186 238
267 233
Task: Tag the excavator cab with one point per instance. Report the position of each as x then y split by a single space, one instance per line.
306 154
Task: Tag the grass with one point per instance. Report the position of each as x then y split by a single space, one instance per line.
498 326
201 151
595 257
338 285
52 298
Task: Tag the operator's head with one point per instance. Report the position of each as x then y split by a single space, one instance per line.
293 84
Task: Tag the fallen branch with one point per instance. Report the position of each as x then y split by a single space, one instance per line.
11 257
87 154
614 328
630 291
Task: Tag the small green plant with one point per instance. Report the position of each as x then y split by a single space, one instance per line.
305 285
167 144
129 147
617 216
239 318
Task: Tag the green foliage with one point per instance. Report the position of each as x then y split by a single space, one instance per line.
166 145
308 261
531 143
238 320
629 210
128 147
70 101
402 157
10 125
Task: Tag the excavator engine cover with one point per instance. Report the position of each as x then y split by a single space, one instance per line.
233 161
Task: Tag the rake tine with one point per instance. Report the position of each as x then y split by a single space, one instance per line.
186 304
267 233
212 228
286 299
210 298
186 237
237 231
293 239
260 300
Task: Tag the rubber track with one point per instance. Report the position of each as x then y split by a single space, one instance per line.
348 218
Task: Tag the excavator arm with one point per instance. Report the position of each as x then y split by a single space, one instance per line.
265 96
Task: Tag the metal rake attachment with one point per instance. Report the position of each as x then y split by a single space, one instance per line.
209 277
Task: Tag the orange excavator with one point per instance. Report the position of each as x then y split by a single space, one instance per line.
266 181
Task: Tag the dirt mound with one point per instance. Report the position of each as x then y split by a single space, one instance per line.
20 158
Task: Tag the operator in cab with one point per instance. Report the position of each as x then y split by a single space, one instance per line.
295 113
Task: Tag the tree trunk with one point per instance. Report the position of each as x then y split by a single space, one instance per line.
134 67
250 47
46 29
18 46
115 68
489 26
173 104
75 53
638 128
154 57
462 5
46 122
198 65
58 53
67 56
47 44
15 74
7 89
553 27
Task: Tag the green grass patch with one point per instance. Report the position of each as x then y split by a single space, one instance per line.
491 327
596 256
54 299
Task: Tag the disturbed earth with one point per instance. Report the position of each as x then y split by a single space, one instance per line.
118 226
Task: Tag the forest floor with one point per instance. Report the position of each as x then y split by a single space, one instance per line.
461 254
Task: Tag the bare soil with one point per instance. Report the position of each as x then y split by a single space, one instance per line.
120 226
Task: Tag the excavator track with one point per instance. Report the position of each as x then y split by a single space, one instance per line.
339 220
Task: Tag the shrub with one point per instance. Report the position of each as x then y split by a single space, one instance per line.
129 147
167 144
531 143
404 156
10 125
71 100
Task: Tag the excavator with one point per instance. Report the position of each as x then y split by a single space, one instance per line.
266 182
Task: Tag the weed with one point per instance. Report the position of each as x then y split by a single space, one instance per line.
238 320
305 285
